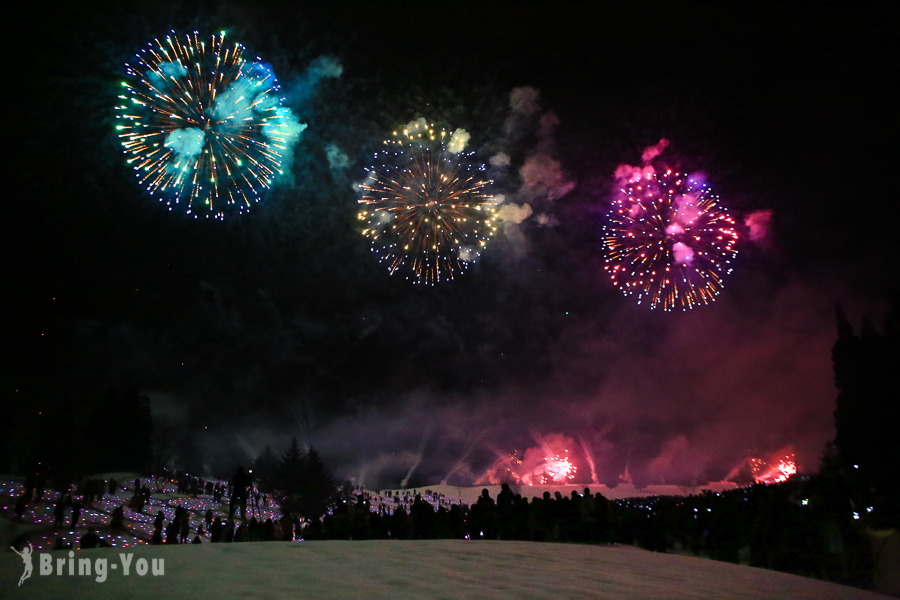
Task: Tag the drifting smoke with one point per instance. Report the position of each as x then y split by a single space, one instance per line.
172 70
458 141
678 455
541 179
653 151
418 124
513 214
523 104
185 142
758 222
631 173
468 253
289 128
684 255
337 159
304 87
500 160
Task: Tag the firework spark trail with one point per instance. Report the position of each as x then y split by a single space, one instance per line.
473 443
589 455
425 435
249 449
202 125
424 206
504 470
668 241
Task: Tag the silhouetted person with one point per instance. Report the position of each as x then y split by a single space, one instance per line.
484 516
253 530
185 528
215 531
505 502
287 528
76 513
172 532
117 521
239 484
60 512
90 539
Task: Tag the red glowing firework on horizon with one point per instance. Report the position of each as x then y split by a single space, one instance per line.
556 469
668 241
548 463
774 472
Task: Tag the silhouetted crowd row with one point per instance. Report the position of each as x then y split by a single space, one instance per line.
770 526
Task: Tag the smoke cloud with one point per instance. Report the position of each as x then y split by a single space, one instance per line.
337 159
320 68
458 141
759 222
514 213
540 178
653 151
186 142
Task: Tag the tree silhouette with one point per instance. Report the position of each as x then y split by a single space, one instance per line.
319 486
289 482
867 375
304 486
265 470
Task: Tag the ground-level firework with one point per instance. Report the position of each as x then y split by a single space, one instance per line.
548 463
424 205
203 127
668 241
780 469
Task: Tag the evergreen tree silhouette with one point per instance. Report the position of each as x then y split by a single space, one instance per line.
319 486
290 478
265 470
867 413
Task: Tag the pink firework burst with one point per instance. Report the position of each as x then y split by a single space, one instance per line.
668 241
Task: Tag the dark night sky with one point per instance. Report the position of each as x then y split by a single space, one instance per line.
281 322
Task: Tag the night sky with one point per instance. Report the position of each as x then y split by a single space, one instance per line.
281 322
